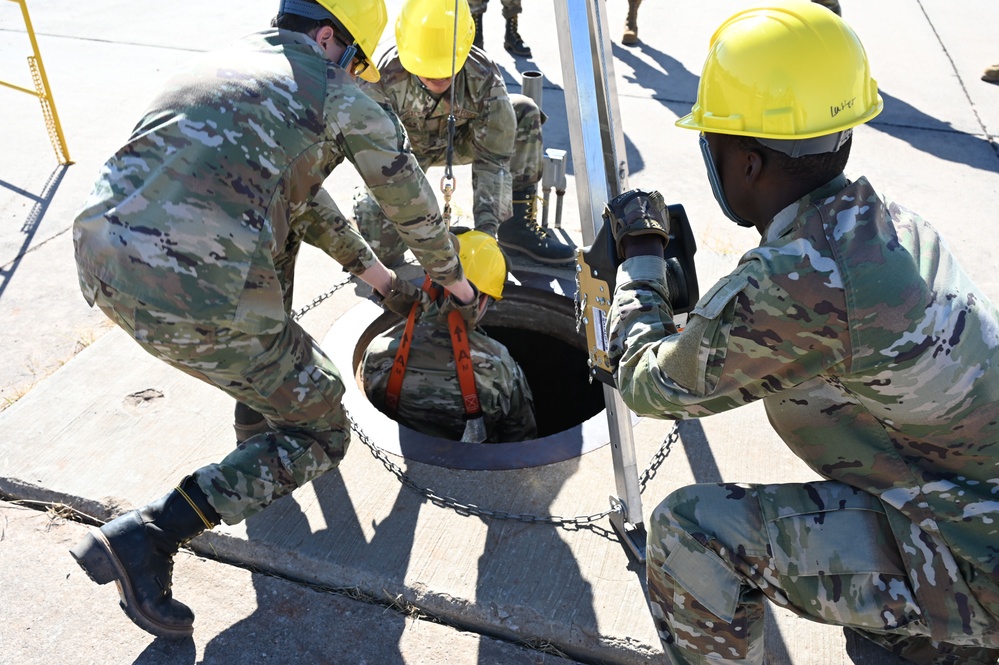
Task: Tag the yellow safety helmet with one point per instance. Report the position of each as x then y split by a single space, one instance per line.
786 73
365 20
483 261
425 37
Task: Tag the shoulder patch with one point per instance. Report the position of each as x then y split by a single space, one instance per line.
718 296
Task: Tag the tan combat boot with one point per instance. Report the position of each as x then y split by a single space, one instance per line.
991 74
631 23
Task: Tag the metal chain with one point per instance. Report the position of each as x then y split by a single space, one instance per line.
320 298
664 450
470 509
444 501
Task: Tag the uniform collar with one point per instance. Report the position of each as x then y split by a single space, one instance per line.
783 221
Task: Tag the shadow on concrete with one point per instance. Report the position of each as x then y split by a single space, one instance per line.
502 576
705 469
935 137
555 131
41 205
166 651
270 631
672 84
549 552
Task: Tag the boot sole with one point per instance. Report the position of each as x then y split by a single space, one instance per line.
98 561
515 249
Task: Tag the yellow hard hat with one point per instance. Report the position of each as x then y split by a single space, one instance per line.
483 261
365 20
425 37
789 70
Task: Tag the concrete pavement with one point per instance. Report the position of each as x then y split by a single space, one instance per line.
93 422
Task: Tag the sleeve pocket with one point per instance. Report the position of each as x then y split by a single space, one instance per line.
718 296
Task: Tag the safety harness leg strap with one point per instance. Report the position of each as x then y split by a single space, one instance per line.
475 431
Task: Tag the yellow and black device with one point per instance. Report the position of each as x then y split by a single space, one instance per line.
596 269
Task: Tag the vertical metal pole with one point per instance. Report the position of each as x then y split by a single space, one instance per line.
601 172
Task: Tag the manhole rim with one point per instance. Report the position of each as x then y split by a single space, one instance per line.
397 439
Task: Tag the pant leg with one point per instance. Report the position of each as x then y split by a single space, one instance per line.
925 651
511 8
822 550
526 165
285 376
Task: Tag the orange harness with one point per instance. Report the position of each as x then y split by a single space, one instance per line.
474 425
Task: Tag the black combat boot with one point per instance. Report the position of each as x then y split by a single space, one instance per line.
477 40
512 42
136 552
521 232
247 422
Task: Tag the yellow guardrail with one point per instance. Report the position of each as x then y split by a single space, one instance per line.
42 91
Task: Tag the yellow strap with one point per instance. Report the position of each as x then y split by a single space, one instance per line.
208 525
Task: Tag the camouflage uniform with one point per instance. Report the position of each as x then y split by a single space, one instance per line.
189 239
510 7
498 133
875 357
430 398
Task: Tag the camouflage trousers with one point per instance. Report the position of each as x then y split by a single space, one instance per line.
716 551
284 376
510 7
525 172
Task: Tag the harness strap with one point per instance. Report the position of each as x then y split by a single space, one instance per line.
458 331
463 363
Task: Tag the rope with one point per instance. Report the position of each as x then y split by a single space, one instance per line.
448 172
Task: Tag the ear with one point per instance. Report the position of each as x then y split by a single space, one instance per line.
753 166
323 35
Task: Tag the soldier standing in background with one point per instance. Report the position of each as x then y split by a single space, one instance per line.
512 41
631 24
188 242
498 133
631 21
875 355
429 399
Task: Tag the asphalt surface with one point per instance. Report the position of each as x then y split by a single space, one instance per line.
357 568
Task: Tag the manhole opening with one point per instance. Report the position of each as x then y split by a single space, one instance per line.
537 323
538 327
558 376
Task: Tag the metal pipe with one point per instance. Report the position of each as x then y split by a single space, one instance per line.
532 84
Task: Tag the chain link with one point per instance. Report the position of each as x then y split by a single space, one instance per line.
470 509
318 300
664 450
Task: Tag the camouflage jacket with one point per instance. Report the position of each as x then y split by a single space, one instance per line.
203 210
484 118
877 360
430 399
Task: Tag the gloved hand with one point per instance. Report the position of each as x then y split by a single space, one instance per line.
635 213
470 312
401 296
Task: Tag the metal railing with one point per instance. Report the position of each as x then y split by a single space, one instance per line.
41 90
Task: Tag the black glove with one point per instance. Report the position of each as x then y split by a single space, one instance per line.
401 296
636 213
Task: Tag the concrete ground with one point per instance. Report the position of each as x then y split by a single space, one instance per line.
90 421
